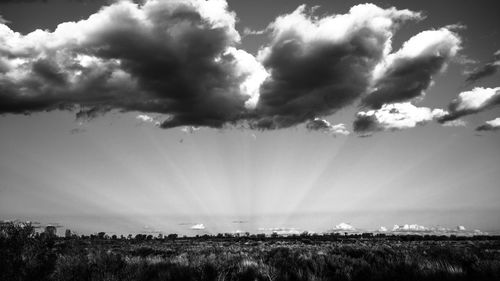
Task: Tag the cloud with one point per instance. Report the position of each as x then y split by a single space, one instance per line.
322 125
319 65
486 70
434 230
471 102
344 227
198 226
383 229
170 57
391 117
492 125
407 73
284 231
410 228
23 1
248 31
180 60
455 123
144 118
189 129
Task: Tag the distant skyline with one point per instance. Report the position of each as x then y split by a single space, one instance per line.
196 117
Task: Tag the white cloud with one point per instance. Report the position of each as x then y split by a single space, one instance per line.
344 227
477 99
287 231
318 124
284 231
442 42
340 28
198 226
189 129
397 116
382 229
409 228
145 118
473 101
148 119
492 125
252 72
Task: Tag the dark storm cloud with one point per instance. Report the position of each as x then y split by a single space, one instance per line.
409 72
472 102
45 1
492 125
404 82
320 65
365 124
178 59
486 70
172 57
21 1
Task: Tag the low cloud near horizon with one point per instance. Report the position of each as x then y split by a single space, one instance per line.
198 226
146 57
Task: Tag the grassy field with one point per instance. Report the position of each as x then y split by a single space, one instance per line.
26 256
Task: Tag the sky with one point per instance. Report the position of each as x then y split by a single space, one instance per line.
197 117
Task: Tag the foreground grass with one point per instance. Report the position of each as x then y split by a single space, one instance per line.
245 259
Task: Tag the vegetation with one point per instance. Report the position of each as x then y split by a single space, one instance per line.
25 255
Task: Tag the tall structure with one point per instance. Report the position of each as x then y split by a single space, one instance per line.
51 230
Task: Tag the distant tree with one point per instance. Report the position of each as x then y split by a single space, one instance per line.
114 237
67 233
101 235
367 235
172 236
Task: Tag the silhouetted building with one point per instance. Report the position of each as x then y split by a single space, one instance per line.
50 230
